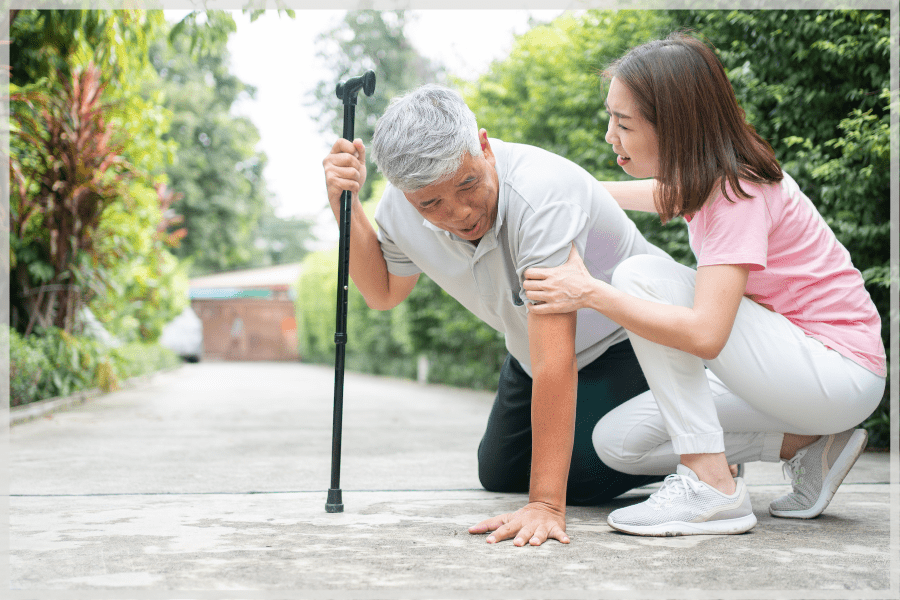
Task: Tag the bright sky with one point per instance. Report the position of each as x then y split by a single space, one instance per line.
277 55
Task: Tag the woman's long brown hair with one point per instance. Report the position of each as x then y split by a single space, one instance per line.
681 89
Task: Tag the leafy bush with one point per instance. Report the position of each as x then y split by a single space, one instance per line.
90 231
378 340
75 361
142 358
54 363
28 368
316 298
461 349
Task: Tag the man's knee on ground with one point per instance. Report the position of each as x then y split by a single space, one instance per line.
587 476
496 477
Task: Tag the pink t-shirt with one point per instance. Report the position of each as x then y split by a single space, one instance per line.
798 268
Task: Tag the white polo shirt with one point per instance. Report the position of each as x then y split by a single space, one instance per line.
546 202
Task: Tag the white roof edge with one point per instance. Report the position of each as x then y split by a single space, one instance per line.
276 275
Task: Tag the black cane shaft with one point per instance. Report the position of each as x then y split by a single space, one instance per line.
334 503
347 92
343 272
340 338
349 121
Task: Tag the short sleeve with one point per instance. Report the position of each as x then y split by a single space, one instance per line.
546 237
398 263
732 233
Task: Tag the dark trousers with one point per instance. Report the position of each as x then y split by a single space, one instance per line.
504 455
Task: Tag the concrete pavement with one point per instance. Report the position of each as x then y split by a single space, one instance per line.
212 478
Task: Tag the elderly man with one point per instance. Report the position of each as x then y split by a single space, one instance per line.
473 214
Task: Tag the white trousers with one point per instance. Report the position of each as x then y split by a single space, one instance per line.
769 379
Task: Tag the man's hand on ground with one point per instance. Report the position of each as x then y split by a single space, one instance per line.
533 524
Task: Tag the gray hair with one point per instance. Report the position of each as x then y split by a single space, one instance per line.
423 136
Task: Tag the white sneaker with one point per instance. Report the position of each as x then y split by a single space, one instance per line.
684 505
816 472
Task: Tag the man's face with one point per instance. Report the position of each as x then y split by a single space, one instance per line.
465 204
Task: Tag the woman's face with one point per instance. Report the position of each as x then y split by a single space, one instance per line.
632 137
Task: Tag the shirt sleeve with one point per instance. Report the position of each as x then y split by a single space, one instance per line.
398 263
547 235
734 233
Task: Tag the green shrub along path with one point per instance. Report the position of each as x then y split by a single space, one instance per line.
55 363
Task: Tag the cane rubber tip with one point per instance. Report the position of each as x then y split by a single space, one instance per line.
334 504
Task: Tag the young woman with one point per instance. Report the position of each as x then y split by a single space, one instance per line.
770 350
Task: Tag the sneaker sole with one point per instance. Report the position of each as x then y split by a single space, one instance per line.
674 528
845 461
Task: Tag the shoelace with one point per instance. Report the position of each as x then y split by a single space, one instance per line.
673 486
793 470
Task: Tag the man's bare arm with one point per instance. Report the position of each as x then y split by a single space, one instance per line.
555 382
345 169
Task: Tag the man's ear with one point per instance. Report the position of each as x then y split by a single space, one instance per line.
485 143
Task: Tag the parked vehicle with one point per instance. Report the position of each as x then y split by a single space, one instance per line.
184 336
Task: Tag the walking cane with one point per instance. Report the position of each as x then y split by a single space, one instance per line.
347 92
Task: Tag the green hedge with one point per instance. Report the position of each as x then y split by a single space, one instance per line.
52 363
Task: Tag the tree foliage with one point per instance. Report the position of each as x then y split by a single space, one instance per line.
49 44
280 240
146 285
92 219
84 143
66 172
164 118
216 171
789 65
548 89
